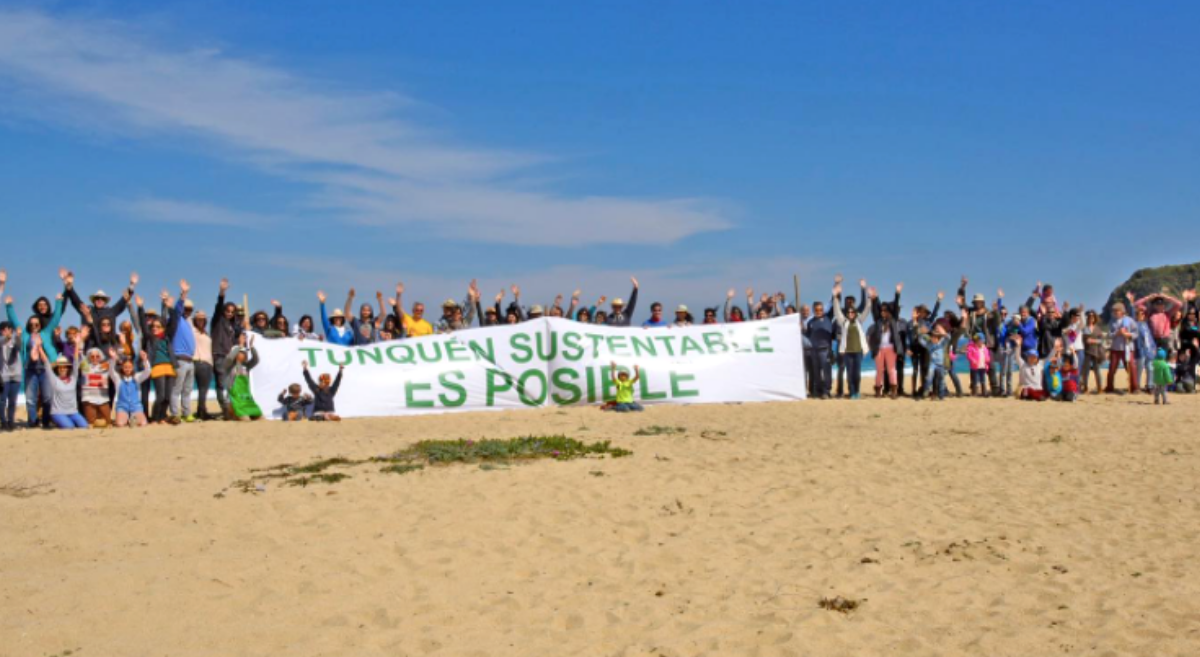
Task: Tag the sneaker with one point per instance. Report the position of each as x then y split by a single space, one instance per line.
172 420
189 418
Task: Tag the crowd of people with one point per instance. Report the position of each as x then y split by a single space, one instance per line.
1057 351
128 364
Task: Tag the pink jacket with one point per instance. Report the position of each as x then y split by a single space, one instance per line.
979 356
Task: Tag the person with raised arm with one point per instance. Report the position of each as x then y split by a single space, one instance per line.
37 370
732 313
622 314
323 393
10 374
852 340
127 381
225 331
64 387
415 325
885 340
624 402
183 345
163 364
238 363
335 327
100 307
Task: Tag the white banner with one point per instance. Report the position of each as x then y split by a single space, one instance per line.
544 362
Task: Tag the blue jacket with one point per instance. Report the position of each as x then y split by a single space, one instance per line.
343 336
1028 330
184 341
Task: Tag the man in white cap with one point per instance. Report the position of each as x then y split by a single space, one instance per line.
100 306
622 315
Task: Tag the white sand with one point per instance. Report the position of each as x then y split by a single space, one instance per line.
992 527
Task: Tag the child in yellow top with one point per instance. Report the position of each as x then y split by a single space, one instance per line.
624 402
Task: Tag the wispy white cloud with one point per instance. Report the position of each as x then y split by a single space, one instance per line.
170 211
368 162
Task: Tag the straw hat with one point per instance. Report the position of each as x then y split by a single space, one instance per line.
61 362
99 295
681 309
449 303
978 297
536 310
187 303
618 302
337 312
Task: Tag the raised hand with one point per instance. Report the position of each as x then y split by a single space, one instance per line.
275 302
352 293
145 356
964 280
577 292
58 297
133 279
872 293
8 300
304 364
731 294
602 301
749 292
399 288
837 279
112 353
379 296
3 277
321 296
516 290
633 279
224 285
941 295
1129 295
499 296
164 295
899 288
1000 292
558 300
139 300
184 288
862 282
63 273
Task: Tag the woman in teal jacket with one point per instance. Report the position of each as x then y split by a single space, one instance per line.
37 376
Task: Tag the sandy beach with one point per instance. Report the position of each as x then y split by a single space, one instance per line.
986 527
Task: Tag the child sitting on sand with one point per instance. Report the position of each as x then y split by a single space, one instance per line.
323 394
624 401
1054 382
1163 376
293 403
1070 380
1031 378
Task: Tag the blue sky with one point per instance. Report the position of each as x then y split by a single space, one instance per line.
697 145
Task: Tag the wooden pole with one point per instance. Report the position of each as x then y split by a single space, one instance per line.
796 282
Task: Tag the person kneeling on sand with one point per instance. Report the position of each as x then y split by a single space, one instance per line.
323 394
238 363
1031 378
127 405
624 402
294 403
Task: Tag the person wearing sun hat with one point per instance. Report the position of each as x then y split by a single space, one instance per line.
622 314
335 327
683 317
102 307
64 402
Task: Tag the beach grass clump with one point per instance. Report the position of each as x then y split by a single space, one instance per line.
488 453
659 430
